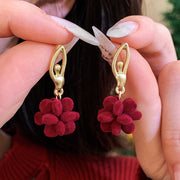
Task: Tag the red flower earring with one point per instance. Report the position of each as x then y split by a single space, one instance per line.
56 114
116 114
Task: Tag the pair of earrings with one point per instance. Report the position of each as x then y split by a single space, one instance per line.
58 117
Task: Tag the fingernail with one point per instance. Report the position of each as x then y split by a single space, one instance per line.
68 47
107 48
177 172
122 29
76 30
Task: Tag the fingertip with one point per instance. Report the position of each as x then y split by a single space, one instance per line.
29 22
137 31
64 36
153 40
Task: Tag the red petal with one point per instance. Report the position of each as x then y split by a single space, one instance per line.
45 106
106 127
52 99
101 110
69 116
136 115
60 128
49 119
109 102
56 107
105 117
129 105
67 104
50 131
116 128
118 108
38 118
77 116
124 119
128 129
70 127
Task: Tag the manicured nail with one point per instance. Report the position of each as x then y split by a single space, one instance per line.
107 48
77 31
68 47
177 172
122 29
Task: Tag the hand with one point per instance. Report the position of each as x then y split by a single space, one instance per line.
154 82
23 65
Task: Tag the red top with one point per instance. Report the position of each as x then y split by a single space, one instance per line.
26 160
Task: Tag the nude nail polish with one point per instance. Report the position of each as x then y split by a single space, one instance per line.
68 47
122 29
77 31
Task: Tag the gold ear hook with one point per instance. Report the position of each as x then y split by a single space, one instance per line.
119 69
57 72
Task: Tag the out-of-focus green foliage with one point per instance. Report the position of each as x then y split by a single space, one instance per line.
173 18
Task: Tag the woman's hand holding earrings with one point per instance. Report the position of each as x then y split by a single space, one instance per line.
153 81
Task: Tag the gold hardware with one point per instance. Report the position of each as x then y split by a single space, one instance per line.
119 69
57 72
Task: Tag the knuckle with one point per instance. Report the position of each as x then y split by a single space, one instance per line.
164 29
171 138
165 32
170 74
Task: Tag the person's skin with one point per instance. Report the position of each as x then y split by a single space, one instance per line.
153 79
154 82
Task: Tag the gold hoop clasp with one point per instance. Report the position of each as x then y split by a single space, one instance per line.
57 71
119 69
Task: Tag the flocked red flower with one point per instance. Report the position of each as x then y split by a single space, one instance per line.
117 115
57 116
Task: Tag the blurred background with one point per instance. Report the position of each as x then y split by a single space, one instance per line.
156 9
168 13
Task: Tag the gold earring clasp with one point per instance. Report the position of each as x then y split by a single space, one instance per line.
119 69
57 71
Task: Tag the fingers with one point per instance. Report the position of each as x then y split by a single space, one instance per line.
142 86
169 83
154 46
151 39
21 68
29 22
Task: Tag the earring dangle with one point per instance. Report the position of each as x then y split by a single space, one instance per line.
116 114
56 113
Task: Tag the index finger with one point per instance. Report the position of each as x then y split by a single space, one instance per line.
151 39
29 22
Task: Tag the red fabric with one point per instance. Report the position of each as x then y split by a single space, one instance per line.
26 160
117 115
57 116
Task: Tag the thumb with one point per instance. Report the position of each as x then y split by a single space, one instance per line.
29 22
151 39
